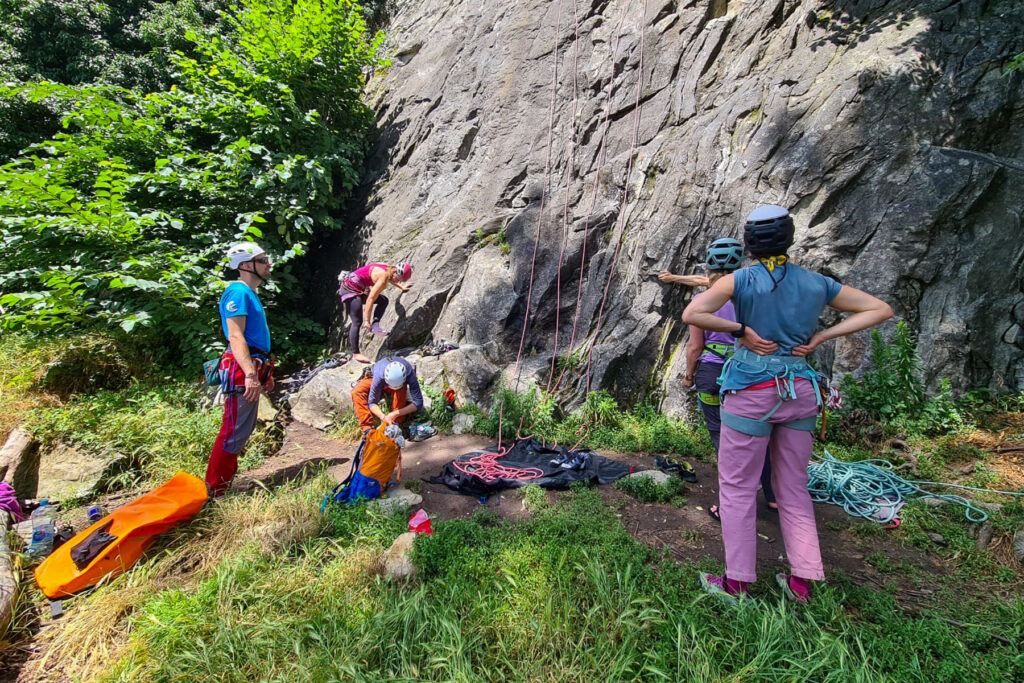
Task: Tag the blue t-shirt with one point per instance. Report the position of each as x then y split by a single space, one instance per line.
787 315
238 299
414 394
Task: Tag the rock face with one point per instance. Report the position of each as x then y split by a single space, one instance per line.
539 161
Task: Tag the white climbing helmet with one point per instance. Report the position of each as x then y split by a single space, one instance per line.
242 253
395 374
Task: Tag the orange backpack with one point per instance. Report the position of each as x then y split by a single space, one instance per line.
375 460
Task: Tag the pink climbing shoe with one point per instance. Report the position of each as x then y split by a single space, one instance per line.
794 588
377 329
724 589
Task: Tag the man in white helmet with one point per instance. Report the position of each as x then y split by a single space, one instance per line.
245 368
395 377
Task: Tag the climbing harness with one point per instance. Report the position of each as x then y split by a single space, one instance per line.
784 371
723 351
709 399
870 489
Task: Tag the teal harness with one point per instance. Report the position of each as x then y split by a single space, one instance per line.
785 370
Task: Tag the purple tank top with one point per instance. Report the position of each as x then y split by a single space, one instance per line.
727 313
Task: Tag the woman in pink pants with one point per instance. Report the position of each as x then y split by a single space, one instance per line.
770 396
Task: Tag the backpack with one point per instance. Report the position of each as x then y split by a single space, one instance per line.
374 461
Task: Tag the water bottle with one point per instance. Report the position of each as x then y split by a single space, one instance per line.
43 530
96 513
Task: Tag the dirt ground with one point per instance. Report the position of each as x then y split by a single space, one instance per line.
687 532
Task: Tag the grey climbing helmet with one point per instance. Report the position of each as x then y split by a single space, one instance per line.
769 231
724 254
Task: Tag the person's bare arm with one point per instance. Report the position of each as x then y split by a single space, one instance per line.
685 280
867 311
240 350
694 346
701 312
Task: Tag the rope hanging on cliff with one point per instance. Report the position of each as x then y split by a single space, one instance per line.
605 124
568 187
544 187
540 215
625 198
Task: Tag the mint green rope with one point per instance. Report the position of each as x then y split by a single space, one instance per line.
870 489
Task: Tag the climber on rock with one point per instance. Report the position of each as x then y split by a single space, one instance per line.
395 377
771 396
707 352
362 297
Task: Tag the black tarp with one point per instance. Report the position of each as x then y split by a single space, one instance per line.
530 453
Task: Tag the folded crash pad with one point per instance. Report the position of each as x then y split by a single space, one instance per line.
114 543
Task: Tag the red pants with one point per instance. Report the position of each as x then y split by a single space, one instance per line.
237 424
361 402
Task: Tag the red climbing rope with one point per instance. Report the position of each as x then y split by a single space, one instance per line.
569 170
540 215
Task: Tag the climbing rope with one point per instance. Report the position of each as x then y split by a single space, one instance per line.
486 467
605 124
872 490
620 234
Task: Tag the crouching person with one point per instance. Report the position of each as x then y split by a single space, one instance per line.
245 368
392 376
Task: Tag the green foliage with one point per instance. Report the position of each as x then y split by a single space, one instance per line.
120 220
646 490
598 422
893 390
535 498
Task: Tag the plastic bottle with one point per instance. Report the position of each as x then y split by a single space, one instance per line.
43 530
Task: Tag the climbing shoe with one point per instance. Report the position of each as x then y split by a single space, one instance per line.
717 586
378 330
670 465
795 589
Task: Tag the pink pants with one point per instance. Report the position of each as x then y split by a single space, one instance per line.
740 460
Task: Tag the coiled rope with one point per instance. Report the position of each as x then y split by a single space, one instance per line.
872 490
486 467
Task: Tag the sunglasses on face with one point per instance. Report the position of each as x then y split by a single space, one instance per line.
262 259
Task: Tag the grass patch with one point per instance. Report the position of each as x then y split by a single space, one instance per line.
566 595
598 421
23 360
646 490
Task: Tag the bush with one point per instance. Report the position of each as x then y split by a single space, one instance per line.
120 221
893 392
